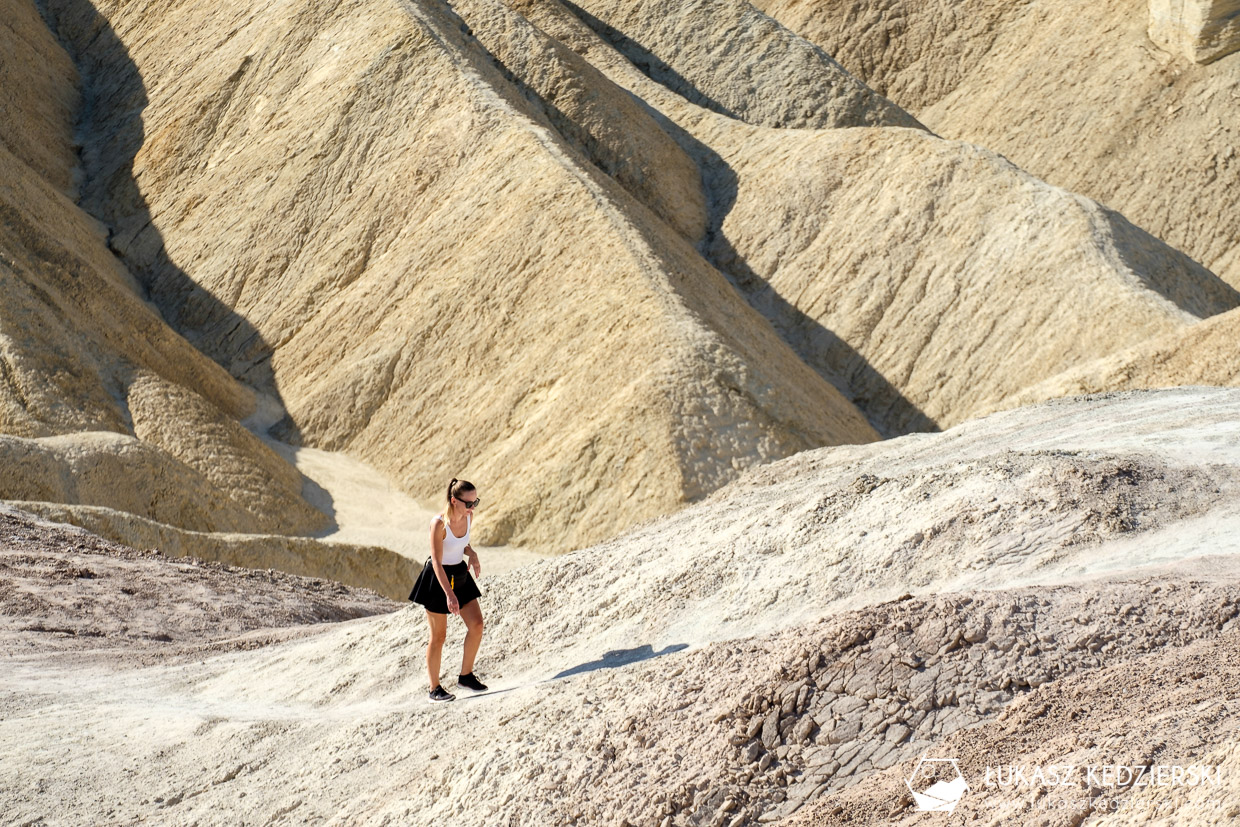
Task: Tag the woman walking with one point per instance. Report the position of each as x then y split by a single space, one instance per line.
445 585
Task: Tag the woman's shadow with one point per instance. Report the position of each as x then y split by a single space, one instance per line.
621 657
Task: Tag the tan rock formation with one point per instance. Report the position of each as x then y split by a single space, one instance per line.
105 468
37 95
101 401
873 283
600 120
931 303
445 287
1074 93
231 458
1201 30
1203 354
481 274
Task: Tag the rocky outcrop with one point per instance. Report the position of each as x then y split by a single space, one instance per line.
100 401
1201 30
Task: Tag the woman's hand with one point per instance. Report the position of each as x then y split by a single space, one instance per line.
473 561
454 606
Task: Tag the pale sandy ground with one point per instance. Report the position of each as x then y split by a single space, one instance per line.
783 650
366 509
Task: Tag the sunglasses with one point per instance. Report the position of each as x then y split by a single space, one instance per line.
470 504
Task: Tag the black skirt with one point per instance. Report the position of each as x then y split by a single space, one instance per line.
430 594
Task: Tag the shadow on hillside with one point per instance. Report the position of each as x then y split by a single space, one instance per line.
621 657
884 407
650 64
110 132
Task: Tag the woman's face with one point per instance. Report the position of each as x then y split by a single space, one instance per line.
465 501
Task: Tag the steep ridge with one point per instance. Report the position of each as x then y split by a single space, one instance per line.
928 300
1080 545
1204 354
1076 94
602 122
925 277
436 261
728 58
410 253
81 352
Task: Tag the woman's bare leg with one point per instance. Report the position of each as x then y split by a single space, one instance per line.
471 613
434 648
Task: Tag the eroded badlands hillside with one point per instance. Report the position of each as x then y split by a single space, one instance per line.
1061 587
600 257
1131 102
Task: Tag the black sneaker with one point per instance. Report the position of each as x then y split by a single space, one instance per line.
439 695
470 682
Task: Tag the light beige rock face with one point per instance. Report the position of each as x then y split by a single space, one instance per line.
913 52
1201 30
727 57
72 327
1204 354
886 268
80 350
443 284
1074 93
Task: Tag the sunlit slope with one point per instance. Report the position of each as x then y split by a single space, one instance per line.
782 648
101 402
1075 93
600 257
1204 354
933 277
930 279
444 285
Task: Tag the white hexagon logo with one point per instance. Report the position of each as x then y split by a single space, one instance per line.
936 784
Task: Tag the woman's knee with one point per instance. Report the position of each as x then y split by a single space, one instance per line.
439 630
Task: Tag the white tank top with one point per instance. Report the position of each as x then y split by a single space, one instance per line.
453 546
